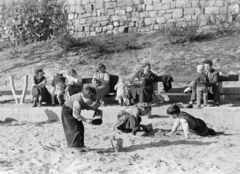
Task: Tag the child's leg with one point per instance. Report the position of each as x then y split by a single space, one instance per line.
53 98
59 98
199 96
205 97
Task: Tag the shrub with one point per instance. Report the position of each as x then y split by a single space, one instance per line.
116 43
177 34
29 21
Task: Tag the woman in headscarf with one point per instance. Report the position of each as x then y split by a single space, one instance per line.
39 90
74 83
129 119
145 89
101 81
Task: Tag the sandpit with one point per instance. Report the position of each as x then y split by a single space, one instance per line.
40 147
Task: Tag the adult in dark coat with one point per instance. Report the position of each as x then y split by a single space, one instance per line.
213 90
72 120
145 91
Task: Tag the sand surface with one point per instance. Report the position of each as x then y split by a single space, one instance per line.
32 148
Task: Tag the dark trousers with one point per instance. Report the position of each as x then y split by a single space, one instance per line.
73 129
213 94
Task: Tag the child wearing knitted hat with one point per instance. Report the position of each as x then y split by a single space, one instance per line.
200 83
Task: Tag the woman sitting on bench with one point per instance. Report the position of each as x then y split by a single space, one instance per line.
74 83
39 91
101 82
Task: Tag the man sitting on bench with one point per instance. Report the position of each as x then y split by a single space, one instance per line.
213 91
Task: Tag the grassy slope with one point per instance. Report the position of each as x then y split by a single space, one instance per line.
165 58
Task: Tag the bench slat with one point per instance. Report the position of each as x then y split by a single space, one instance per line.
190 78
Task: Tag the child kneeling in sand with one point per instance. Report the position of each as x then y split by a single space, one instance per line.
58 89
188 122
129 119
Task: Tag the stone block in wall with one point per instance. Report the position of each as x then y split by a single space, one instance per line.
166 6
120 12
110 5
121 29
87 15
71 16
88 8
111 12
156 27
93 33
219 3
82 21
168 16
116 30
161 20
116 18
156 1
84 2
116 24
157 6
98 24
137 1
211 3
177 13
92 28
106 0
72 2
141 7
92 1
212 10
170 11
99 5
149 21
234 9
189 11
148 2
197 11
149 7
173 4
109 27
87 28
104 29
80 9
135 14
109 31
180 3
154 14
98 29
143 14
104 23
131 24
129 9
71 9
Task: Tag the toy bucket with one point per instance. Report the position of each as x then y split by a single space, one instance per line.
117 144
149 128
97 117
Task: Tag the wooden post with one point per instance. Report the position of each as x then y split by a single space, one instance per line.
12 86
24 91
220 87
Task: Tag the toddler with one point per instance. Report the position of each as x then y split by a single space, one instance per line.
58 86
200 84
121 91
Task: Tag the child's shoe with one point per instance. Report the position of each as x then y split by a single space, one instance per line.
34 104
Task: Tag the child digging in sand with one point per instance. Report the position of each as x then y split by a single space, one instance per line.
188 122
129 119
121 91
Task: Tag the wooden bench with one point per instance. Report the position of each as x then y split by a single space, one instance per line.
185 79
19 95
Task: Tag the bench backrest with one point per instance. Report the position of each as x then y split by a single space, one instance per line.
190 78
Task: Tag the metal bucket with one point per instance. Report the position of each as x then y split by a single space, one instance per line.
117 144
97 117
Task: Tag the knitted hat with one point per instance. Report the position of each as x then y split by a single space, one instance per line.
200 68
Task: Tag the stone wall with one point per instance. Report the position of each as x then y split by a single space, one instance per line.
96 17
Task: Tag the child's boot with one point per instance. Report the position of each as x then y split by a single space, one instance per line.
34 104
